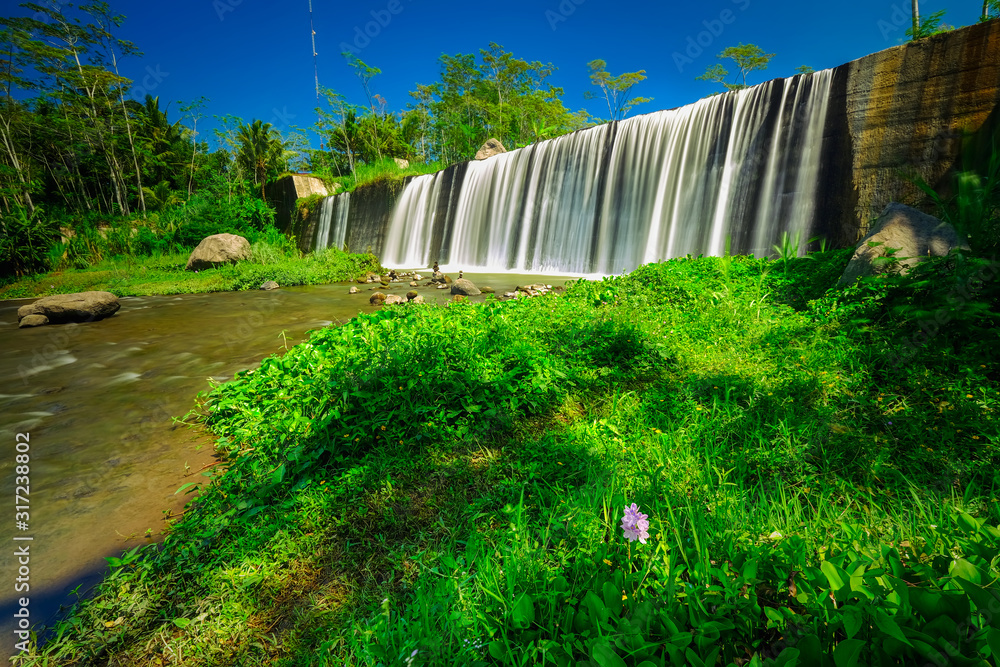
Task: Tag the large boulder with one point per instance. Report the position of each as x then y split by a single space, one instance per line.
218 249
913 235
490 148
62 308
464 286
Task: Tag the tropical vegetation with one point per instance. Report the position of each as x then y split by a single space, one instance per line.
709 461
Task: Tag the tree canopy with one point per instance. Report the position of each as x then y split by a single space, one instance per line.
748 58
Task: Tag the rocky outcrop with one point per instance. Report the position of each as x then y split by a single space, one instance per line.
904 234
62 308
217 250
401 163
269 285
284 192
392 299
465 286
489 149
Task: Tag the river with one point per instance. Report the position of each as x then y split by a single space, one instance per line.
99 402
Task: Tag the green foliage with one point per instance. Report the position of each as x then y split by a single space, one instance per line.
748 57
929 25
991 10
973 208
25 241
260 152
445 485
616 89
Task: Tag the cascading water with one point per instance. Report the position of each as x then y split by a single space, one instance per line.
332 229
743 166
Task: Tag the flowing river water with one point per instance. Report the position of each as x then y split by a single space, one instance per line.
99 401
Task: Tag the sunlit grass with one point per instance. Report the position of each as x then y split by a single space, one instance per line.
432 486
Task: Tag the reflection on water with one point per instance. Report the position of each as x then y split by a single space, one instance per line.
99 402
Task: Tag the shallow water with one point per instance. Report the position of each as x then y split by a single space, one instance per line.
98 401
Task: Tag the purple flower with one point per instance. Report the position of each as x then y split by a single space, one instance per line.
635 524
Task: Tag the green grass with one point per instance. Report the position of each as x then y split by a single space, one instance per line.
428 486
165 274
384 170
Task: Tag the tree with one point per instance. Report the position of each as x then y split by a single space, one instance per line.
990 7
748 57
616 89
365 74
804 69
194 110
260 152
930 25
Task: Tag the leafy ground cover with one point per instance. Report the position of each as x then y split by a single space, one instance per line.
131 275
817 470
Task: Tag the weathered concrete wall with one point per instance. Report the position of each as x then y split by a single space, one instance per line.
907 108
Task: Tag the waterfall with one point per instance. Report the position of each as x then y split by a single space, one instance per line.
743 166
332 229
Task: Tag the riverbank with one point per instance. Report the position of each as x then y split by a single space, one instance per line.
445 485
165 274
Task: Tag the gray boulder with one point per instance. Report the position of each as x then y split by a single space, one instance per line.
393 299
377 299
218 249
417 299
79 307
353 290
490 148
913 234
269 285
464 286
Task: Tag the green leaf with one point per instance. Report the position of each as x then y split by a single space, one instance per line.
837 577
523 613
993 639
278 475
605 656
986 601
182 622
963 569
497 649
848 652
853 620
612 598
889 626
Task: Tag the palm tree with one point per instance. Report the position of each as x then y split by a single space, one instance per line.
260 151
916 18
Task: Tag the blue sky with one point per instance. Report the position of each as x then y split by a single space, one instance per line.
254 59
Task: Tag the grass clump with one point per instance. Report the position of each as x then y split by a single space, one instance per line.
385 170
430 486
